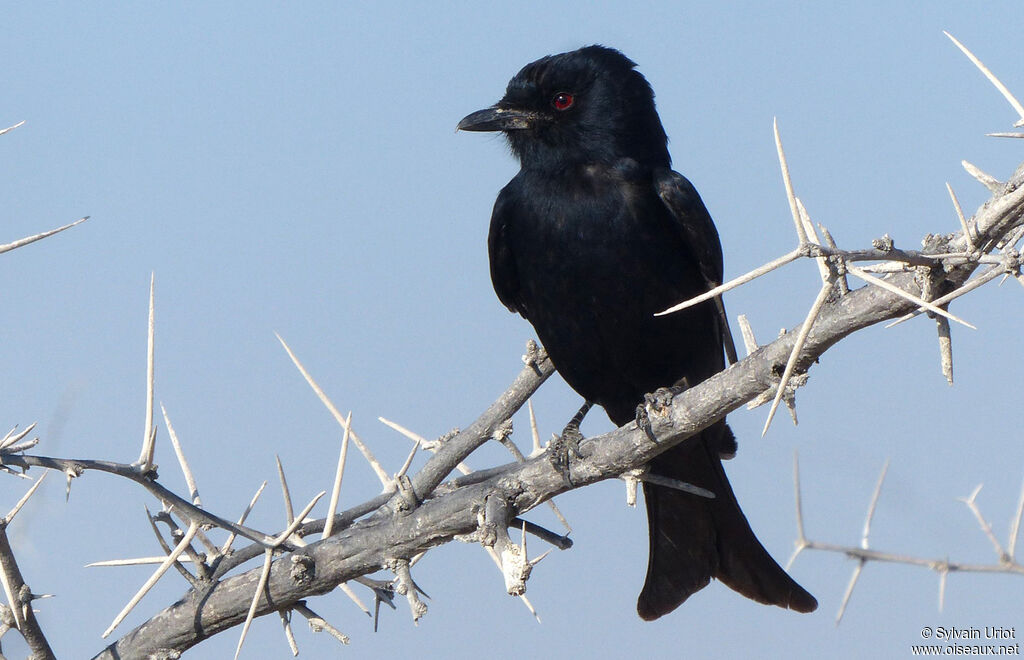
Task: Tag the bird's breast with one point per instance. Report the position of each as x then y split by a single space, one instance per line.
612 235
594 262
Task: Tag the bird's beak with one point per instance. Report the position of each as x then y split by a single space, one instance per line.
497 119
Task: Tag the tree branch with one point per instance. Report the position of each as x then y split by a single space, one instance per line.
398 530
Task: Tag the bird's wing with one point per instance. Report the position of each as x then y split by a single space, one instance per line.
698 232
693 221
504 276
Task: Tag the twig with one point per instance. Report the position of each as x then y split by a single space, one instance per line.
518 455
21 608
864 554
75 466
985 526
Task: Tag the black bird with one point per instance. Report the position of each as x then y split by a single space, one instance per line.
594 235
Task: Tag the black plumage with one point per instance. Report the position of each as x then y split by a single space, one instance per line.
591 238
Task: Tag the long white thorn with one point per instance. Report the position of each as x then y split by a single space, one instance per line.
892 288
134 561
370 458
148 439
286 493
24 498
241 519
945 348
943 574
737 281
805 218
11 128
168 562
748 334
12 439
798 345
988 74
283 536
317 623
971 285
801 541
1015 525
336 488
190 480
286 622
983 177
971 240
268 557
849 590
873 505
38 237
348 591
423 442
787 181
534 433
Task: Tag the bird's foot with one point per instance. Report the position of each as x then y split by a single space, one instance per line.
643 421
661 399
567 445
562 449
658 402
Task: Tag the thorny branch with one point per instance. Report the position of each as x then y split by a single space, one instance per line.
434 511
1006 561
429 508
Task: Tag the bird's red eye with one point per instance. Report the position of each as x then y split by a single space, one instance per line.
562 101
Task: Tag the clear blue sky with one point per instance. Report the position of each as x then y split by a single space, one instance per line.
294 168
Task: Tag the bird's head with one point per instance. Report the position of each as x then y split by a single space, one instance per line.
586 106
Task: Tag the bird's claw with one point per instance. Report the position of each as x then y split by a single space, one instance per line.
564 448
643 421
572 437
661 399
658 402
